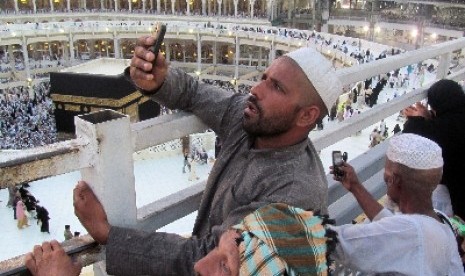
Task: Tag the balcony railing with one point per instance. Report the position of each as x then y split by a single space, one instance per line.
99 134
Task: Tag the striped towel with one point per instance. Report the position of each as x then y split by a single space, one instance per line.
282 240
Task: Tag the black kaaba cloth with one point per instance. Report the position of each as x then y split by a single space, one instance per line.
77 93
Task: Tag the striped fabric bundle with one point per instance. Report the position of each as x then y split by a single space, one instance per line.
282 240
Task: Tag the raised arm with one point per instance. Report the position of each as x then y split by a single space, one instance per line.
350 181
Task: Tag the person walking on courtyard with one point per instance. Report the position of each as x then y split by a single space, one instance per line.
21 215
68 234
43 218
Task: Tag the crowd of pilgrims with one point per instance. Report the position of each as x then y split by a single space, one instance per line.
26 117
26 206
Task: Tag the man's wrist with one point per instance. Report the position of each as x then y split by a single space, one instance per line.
127 76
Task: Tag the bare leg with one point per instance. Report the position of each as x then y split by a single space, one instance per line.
90 212
51 260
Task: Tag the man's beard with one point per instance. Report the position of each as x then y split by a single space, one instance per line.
272 126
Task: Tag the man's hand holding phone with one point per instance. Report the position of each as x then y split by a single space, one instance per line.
148 68
342 171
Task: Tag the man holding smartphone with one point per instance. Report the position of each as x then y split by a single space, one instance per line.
266 155
424 238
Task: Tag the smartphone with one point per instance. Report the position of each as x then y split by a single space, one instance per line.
337 162
160 35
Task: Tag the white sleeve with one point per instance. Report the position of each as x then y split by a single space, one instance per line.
369 247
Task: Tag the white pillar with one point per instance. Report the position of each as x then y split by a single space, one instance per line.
215 53
238 56
167 51
26 57
143 5
236 2
34 6
219 7
16 6
71 48
159 6
84 6
172 6
130 5
111 175
68 5
102 5
204 7
116 47
188 12
272 53
252 4
116 5
199 53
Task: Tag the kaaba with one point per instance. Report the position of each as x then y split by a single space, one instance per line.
93 86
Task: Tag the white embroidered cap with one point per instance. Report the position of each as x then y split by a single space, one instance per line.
320 73
415 152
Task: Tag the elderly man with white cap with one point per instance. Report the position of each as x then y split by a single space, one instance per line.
417 241
266 156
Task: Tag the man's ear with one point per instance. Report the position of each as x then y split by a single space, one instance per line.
308 116
397 181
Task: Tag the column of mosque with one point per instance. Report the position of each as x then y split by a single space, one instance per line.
26 57
260 53
272 54
238 57
68 5
91 47
130 5
188 12
167 51
199 52
84 4
143 5
172 6
159 6
34 6
11 56
219 7
116 5
236 2
16 6
51 6
204 7
324 16
102 6
116 47
251 5
269 7
215 53
71 48
65 53
226 8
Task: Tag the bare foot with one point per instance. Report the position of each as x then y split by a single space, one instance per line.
51 260
90 212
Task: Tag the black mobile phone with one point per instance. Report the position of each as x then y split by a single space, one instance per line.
337 162
160 34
